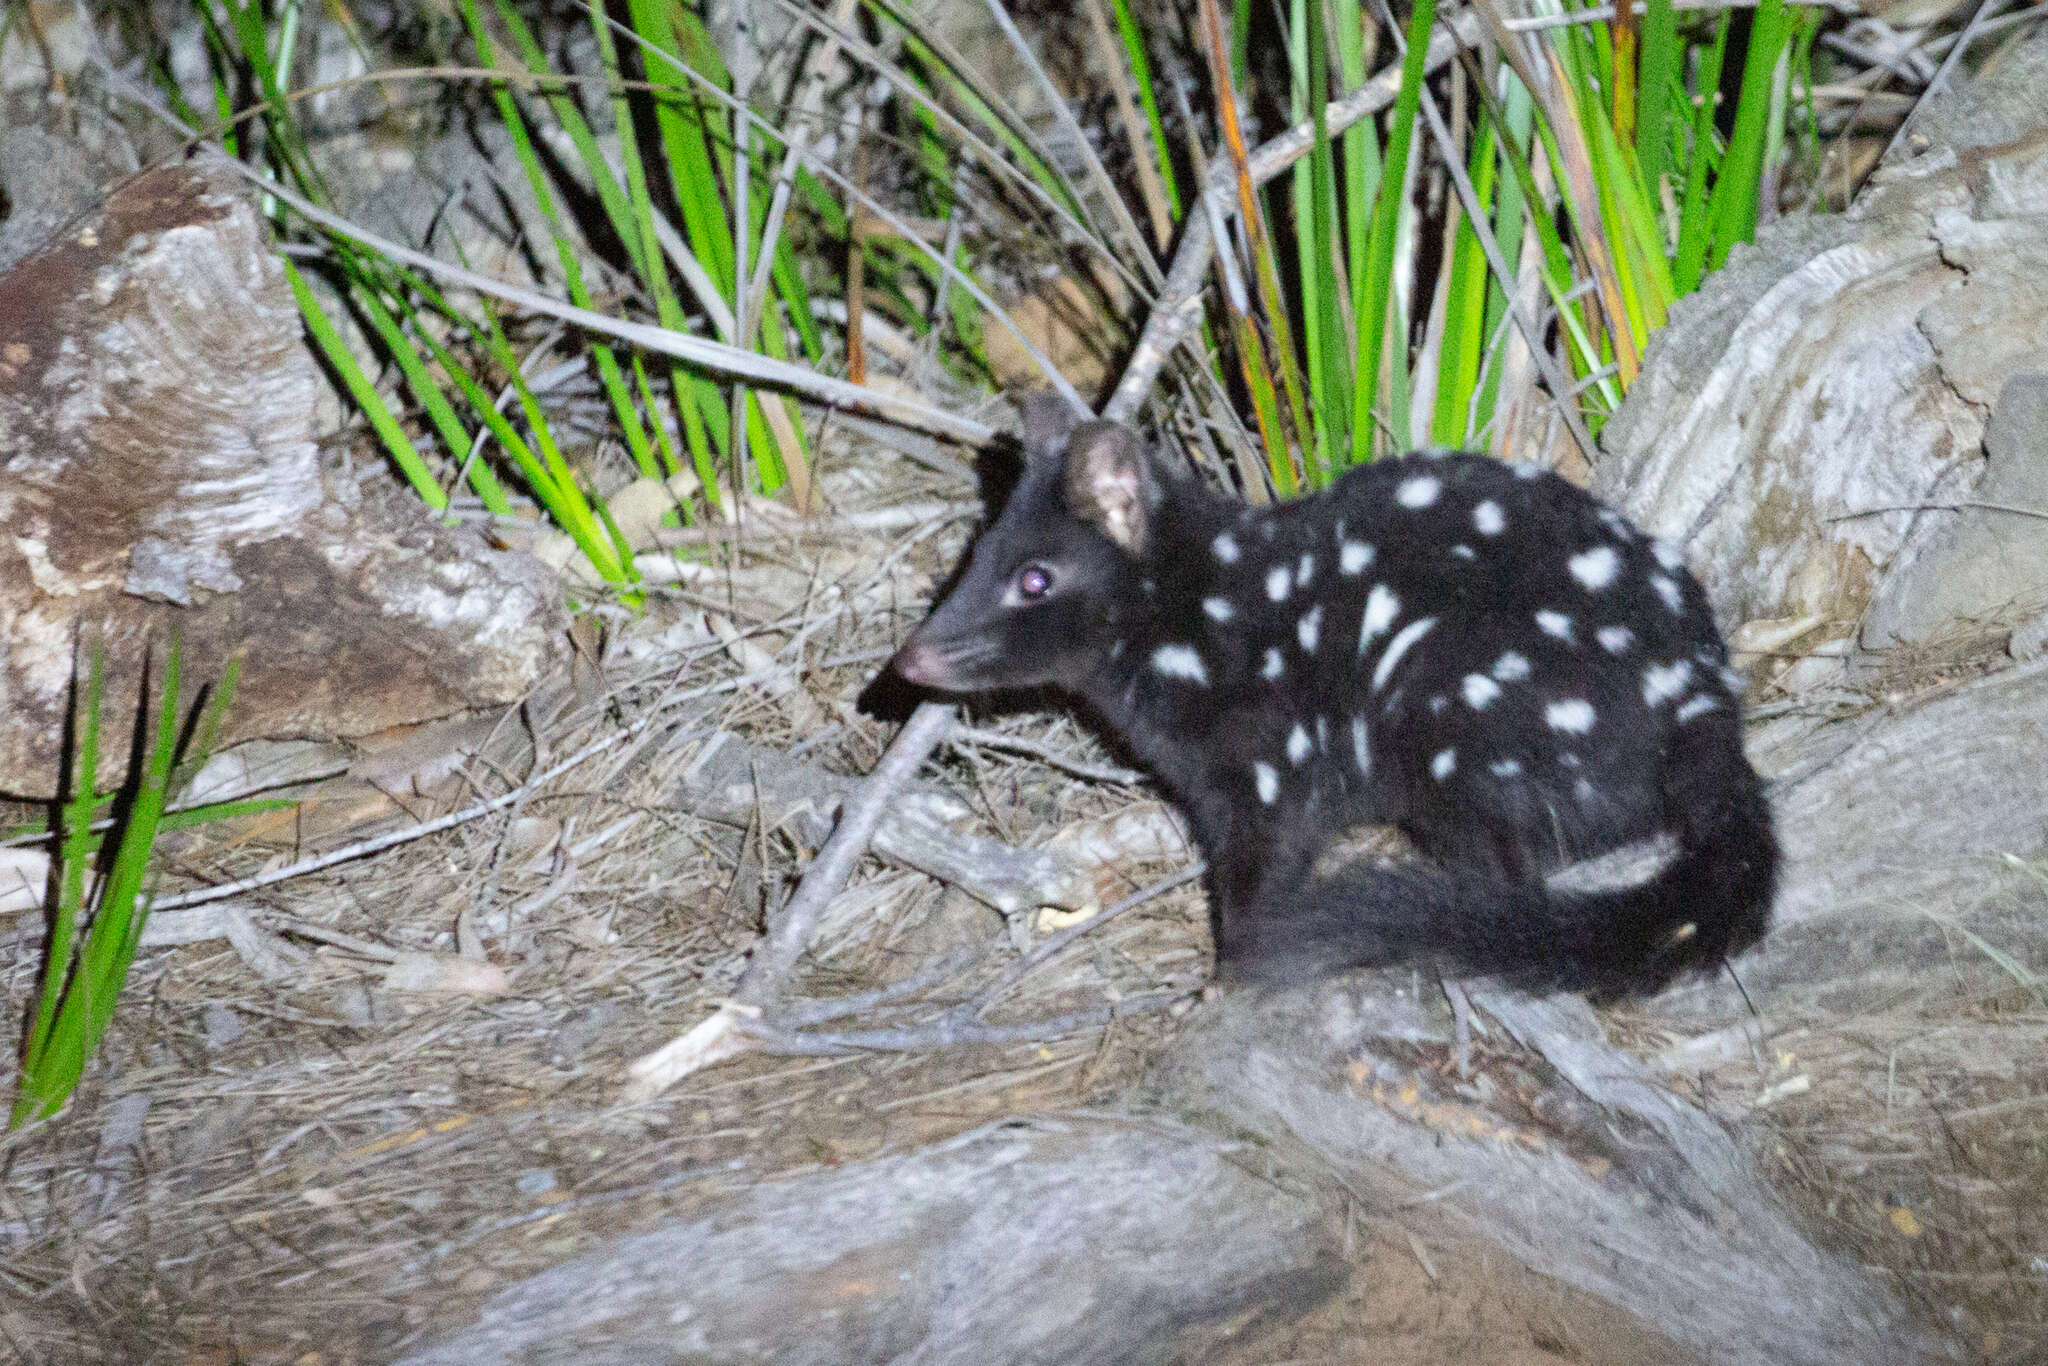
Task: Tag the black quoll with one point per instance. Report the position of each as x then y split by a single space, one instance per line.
1480 656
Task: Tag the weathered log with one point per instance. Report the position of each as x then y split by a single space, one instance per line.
158 474
1897 825
1114 1239
1810 423
1080 1241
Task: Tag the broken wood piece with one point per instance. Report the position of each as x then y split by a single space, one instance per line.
159 476
446 973
712 1040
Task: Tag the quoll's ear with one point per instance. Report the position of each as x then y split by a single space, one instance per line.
1048 421
1110 483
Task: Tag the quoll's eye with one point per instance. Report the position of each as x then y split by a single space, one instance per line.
1034 581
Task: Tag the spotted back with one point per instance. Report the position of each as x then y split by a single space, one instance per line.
1450 637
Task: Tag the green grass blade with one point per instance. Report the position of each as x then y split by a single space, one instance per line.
74 855
1695 214
558 489
1464 334
1328 345
1372 321
91 985
1141 70
605 187
1742 166
1662 57
426 389
403 453
1361 149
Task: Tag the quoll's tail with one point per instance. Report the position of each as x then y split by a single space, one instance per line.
1601 927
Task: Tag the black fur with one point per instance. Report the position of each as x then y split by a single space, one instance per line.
1493 664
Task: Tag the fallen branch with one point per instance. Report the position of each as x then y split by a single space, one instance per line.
741 784
724 1034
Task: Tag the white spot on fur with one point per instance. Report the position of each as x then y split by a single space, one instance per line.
1361 748
1480 691
1572 715
1219 609
1268 782
1464 552
1418 492
1697 706
1667 589
1489 519
1381 608
1505 768
1277 583
1555 624
1444 764
1398 646
1354 557
1529 470
1596 568
1224 548
1273 667
1180 661
1297 745
1309 628
1615 639
1662 682
1732 681
1511 667
1438 704
1668 555
1322 735
1304 571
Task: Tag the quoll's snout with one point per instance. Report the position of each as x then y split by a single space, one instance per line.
916 662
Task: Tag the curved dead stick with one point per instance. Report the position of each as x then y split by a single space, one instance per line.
724 1034
1180 302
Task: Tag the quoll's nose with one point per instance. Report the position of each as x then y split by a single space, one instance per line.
918 663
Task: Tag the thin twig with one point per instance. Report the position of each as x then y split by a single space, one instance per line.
1970 505
1046 754
379 843
803 1014
1078 144
1057 944
1986 11
860 814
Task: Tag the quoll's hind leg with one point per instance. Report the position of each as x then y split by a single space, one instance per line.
1289 931
1255 866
